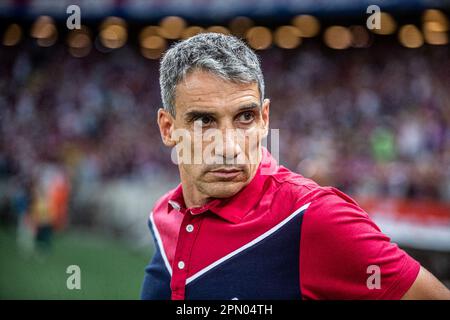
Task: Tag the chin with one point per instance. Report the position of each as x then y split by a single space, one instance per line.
225 189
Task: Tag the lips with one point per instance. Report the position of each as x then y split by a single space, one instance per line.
226 173
233 169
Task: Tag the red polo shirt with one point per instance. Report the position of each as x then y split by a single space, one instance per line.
281 237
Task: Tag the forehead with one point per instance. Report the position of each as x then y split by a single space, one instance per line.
202 89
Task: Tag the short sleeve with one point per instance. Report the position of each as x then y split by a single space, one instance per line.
342 251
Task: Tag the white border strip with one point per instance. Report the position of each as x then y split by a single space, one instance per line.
414 234
160 244
251 243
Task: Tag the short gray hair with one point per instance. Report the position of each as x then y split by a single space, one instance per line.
223 55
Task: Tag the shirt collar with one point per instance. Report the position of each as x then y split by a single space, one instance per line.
235 208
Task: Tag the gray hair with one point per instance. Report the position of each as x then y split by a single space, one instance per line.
223 55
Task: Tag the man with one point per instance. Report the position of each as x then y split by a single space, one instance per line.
241 227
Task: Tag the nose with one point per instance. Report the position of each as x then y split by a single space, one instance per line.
230 149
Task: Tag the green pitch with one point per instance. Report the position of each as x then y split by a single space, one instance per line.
109 269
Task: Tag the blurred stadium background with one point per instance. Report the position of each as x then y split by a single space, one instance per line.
81 161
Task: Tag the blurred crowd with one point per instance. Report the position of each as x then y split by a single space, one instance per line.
373 122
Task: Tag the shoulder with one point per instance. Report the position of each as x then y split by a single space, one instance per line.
295 189
340 243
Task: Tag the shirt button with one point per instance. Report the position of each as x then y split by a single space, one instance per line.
189 228
181 265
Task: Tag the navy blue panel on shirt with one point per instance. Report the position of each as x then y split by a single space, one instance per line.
156 285
267 270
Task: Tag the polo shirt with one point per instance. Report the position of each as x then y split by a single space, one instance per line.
280 237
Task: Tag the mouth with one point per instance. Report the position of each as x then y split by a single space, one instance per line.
226 173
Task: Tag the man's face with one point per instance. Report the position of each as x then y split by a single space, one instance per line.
221 124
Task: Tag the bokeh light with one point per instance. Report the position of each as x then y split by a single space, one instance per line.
309 26
337 37
259 38
240 25
113 33
287 37
410 36
12 35
79 42
44 31
172 27
435 27
152 44
191 31
218 29
387 24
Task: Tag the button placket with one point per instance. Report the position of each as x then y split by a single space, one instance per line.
185 243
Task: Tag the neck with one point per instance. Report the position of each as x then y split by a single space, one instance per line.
191 196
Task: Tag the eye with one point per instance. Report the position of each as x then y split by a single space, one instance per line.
205 120
246 117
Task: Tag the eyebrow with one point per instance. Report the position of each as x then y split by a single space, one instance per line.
201 113
249 106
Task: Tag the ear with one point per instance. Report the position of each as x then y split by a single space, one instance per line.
166 124
265 116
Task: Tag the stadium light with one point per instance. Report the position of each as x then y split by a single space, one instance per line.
12 35
172 27
287 37
218 29
149 31
410 36
191 31
435 27
337 37
435 20
113 33
259 38
434 37
44 31
152 44
387 24
308 25
113 37
79 42
240 25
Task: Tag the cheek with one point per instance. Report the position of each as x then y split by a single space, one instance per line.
197 139
195 173
252 140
